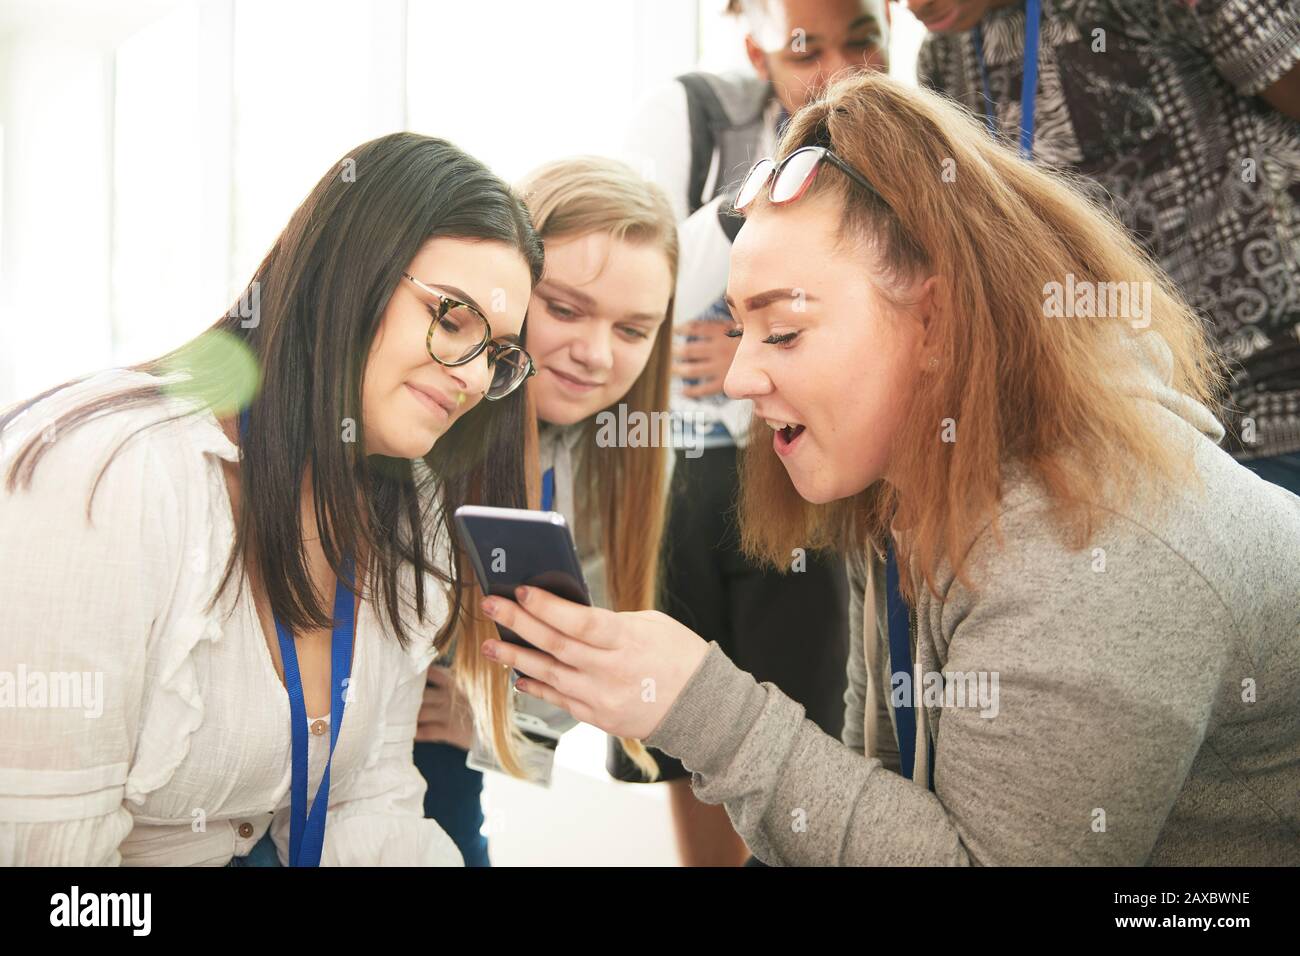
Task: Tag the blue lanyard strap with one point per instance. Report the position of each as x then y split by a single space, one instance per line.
548 489
1028 84
307 829
899 622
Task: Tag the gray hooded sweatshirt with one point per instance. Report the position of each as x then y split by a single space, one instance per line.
1134 702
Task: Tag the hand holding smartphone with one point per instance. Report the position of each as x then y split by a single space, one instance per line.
510 547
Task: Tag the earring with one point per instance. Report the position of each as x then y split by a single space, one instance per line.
460 398
934 362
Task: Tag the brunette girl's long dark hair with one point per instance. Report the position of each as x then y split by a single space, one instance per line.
319 295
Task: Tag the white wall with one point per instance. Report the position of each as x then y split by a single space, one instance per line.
56 201
54 315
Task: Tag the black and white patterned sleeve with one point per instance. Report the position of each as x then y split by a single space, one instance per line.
1252 43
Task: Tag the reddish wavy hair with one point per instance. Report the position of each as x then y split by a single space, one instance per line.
1022 388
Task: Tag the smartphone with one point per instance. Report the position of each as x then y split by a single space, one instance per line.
513 546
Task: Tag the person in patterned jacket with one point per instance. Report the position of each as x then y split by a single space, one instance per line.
1184 118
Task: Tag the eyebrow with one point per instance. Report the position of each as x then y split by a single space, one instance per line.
587 302
764 299
866 18
581 298
457 293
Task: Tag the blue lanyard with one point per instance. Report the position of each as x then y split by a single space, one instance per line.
548 489
1029 83
307 828
900 661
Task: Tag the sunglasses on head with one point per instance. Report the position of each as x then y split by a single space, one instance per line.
790 178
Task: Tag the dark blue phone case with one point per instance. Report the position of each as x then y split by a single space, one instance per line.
512 546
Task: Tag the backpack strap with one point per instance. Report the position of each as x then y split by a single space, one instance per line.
707 118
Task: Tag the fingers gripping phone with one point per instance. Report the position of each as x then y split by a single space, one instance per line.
513 546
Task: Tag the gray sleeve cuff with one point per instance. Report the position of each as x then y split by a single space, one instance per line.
710 718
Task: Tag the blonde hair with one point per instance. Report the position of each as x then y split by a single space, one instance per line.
569 198
1024 390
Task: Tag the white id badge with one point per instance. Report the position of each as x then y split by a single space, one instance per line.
542 724
537 756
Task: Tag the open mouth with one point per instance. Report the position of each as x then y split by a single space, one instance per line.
785 435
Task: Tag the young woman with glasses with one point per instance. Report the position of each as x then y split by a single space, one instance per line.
311 444
1075 620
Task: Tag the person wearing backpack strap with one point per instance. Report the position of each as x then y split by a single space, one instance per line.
696 137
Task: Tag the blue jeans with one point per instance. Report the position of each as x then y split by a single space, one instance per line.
454 798
1283 470
262 854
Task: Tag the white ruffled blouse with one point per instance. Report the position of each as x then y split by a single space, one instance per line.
137 728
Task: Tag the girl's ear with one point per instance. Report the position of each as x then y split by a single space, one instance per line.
928 306
757 58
